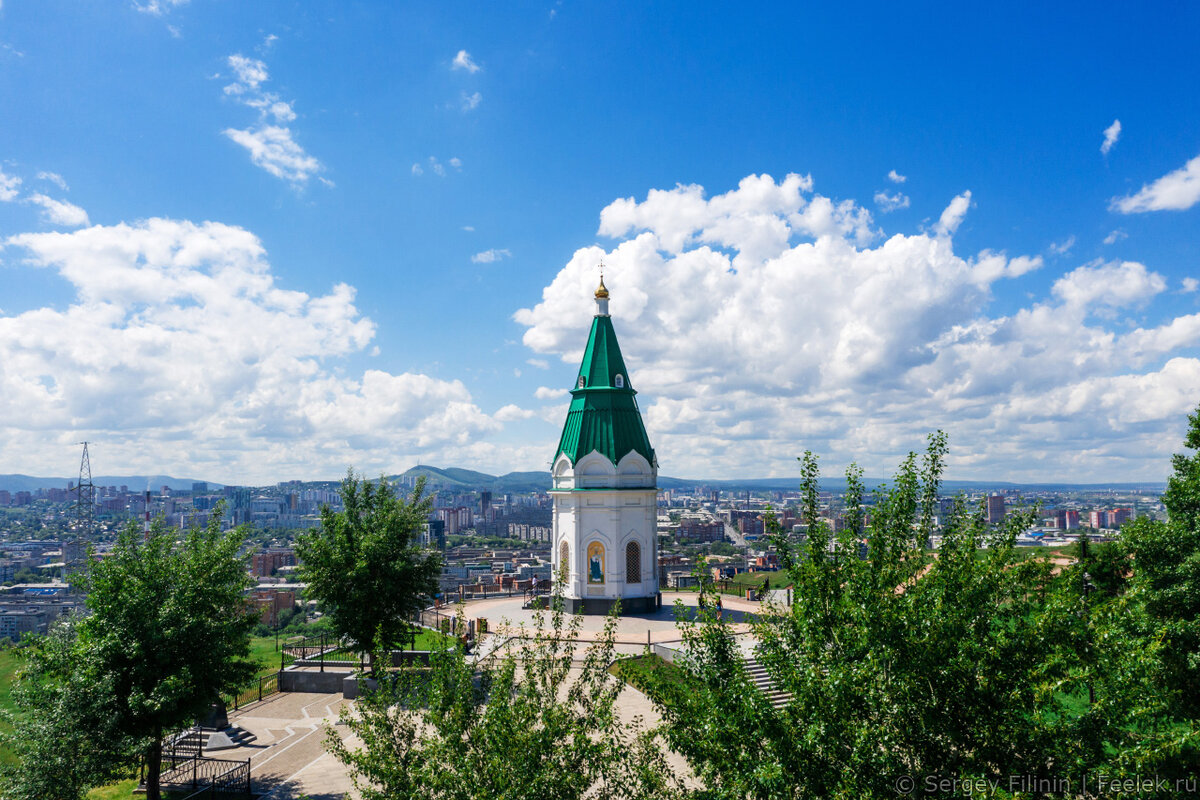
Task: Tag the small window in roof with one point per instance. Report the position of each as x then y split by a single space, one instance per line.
582 381
619 381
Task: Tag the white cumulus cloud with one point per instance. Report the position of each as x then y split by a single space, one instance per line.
889 203
1111 134
896 177
512 413
10 187
178 332
157 7
1063 247
464 61
953 214
547 393
490 256
752 335
471 101
435 165
55 178
1175 191
273 148
59 212
270 142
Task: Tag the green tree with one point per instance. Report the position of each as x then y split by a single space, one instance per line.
168 633
364 564
523 722
1166 579
169 630
66 736
902 663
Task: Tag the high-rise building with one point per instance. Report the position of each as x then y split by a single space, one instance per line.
700 530
268 562
605 476
433 534
995 509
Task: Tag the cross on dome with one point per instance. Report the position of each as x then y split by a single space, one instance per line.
602 295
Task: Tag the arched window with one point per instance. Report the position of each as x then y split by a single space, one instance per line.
564 561
619 381
581 382
633 563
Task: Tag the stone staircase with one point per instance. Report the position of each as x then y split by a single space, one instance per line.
766 684
226 738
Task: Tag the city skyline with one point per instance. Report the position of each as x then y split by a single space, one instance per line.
257 243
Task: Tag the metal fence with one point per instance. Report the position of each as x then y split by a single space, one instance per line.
182 745
308 648
262 687
326 650
321 650
207 777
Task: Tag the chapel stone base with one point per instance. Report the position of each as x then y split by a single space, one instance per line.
602 605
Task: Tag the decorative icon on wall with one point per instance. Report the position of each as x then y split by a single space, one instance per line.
595 554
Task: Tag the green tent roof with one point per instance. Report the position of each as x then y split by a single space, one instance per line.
603 416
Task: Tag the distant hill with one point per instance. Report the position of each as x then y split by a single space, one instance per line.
948 486
516 482
454 478
458 479
138 483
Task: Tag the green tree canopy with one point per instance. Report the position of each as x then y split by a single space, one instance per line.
526 721
1166 579
167 634
364 564
903 664
66 737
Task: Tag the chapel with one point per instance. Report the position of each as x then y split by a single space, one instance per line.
605 476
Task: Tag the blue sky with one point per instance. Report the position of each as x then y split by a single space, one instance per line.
258 241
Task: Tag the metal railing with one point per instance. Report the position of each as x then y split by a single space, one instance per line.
533 594
325 649
307 648
183 745
207 777
264 686
310 650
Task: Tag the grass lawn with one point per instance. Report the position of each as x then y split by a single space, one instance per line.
262 650
124 790
115 791
426 640
638 671
739 583
9 662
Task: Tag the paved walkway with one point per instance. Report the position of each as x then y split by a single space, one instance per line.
288 759
506 614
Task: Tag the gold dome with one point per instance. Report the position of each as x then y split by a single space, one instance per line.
602 291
